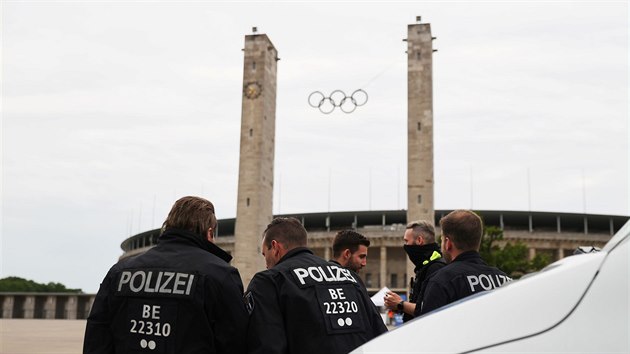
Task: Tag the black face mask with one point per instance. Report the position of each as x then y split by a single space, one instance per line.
415 253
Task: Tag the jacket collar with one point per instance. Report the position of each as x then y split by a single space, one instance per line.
190 238
335 261
422 255
469 256
294 252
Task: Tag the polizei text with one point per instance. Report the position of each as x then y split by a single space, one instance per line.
155 282
325 274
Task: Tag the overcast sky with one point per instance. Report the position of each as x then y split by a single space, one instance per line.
113 110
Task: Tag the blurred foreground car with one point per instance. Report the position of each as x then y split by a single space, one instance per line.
578 304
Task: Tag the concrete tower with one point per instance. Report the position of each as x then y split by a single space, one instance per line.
419 124
255 176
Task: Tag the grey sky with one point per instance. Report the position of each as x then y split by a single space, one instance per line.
112 110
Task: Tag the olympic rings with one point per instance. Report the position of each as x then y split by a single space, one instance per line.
338 99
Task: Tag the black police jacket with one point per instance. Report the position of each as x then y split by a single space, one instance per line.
428 261
465 275
305 304
181 296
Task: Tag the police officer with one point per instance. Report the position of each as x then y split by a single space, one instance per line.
466 273
350 250
181 296
304 304
425 254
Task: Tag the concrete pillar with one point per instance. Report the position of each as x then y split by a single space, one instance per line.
383 268
327 253
7 306
255 175
72 308
560 253
612 227
419 125
49 307
532 254
29 307
585 225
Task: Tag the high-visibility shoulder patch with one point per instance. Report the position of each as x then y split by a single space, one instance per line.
435 255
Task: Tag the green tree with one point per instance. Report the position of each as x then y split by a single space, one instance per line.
512 258
17 284
540 261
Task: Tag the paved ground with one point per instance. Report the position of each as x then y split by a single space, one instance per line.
41 336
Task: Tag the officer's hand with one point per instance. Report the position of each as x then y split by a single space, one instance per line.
391 300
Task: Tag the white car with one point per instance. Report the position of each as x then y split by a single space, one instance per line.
578 304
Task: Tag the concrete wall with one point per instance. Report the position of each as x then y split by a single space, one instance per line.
46 305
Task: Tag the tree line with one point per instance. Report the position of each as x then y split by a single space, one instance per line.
512 258
17 284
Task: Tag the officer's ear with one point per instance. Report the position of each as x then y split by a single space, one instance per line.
278 248
447 244
210 235
346 253
274 245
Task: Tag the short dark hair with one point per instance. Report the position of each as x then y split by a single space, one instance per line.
423 228
192 214
464 228
288 231
348 239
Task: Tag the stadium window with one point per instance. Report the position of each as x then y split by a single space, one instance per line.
393 280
